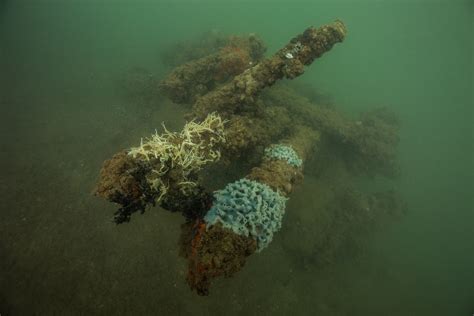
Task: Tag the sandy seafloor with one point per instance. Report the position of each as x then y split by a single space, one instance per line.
60 254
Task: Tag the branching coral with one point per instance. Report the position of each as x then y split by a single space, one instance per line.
186 152
163 169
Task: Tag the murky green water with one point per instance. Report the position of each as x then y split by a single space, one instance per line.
61 117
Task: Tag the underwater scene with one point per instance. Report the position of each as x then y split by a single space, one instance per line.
235 157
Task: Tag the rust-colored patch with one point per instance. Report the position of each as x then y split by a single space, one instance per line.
213 252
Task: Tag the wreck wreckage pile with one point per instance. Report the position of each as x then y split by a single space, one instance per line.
233 114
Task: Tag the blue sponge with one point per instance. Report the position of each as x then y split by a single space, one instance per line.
248 208
283 152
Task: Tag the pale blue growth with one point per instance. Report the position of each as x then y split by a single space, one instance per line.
283 152
248 208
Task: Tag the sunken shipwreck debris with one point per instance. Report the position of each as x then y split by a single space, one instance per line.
233 112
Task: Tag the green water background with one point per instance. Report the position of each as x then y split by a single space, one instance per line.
60 118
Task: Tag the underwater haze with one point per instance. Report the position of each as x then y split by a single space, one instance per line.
63 113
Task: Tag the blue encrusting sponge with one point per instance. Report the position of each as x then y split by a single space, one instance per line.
248 208
283 152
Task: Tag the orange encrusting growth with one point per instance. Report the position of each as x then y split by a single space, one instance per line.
214 251
196 266
199 228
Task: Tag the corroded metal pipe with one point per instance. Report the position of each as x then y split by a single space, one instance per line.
288 62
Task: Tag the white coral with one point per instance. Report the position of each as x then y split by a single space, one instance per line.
188 150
